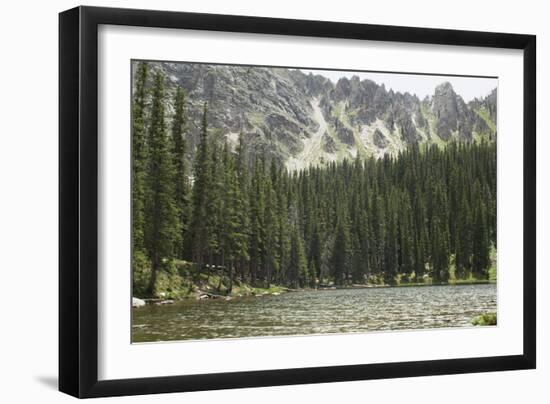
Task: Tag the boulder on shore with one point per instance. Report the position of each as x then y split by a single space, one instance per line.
137 302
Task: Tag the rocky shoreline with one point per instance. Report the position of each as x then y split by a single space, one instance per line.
275 291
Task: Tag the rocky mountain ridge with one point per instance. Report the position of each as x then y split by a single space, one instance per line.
305 119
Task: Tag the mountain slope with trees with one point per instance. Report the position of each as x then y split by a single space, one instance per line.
424 213
277 112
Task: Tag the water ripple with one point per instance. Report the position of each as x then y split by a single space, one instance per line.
316 312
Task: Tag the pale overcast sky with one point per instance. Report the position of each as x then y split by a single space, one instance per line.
467 87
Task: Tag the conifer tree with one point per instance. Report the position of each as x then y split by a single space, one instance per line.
347 221
463 251
340 254
257 229
311 277
181 180
215 205
406 243
315 253
298 263
198 232
439 244
481 246
139 157
270 230
390 245
161 219
440 248
241 169
378 226
283 231
235 242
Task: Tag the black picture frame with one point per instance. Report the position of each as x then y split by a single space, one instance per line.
78 201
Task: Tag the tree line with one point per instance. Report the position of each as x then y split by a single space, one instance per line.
418 213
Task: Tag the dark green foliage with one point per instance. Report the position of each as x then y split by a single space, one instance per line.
340 254
315 253
139 159
298 270
234 236
481 243
406 236
242 208
485 319
257 228
181 178
392 219
271 262
161 215
464 242
440 249
199 237
391 241
141 273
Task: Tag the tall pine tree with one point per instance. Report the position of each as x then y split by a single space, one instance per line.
161 218
181 178
139 157
198 231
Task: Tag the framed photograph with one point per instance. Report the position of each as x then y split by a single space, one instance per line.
251 201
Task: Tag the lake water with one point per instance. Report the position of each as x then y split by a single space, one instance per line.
316 312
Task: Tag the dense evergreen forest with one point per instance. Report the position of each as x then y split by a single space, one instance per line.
421 213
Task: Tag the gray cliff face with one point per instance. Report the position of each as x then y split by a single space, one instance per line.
454 117
302 119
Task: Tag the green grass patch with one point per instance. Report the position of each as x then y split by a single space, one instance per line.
485 319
